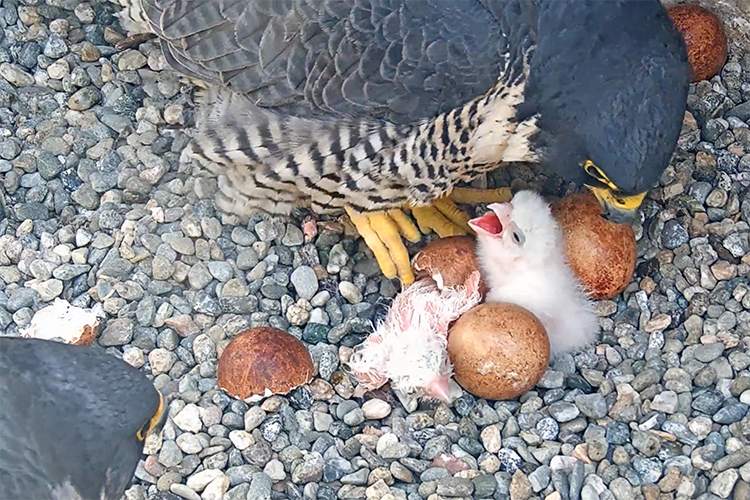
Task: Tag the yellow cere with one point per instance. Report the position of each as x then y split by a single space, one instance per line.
611 194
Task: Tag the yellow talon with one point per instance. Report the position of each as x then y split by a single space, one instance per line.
446 207
430 218
373 241
405 226
382 233
389 234
475 196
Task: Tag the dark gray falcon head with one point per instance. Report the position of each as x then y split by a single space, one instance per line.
72 421
608 82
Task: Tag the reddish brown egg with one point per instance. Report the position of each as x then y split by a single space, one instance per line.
453 259
705 39
261 362
498 350
601 253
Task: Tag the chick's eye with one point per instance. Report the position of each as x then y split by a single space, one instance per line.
518 237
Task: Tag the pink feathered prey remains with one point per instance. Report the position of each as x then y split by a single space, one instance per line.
409 347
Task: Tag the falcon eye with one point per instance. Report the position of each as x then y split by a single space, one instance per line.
594 172
597 174
155 423
143 431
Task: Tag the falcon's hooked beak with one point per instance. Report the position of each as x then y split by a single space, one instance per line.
156 423
618 207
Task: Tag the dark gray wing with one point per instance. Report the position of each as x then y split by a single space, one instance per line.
397 59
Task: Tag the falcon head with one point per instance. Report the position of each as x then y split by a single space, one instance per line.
74 420
608 88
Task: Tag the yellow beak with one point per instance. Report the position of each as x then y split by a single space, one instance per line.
618 208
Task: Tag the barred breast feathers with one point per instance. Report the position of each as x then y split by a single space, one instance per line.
394 164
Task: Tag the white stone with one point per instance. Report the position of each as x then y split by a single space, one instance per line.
189 419
183 491
723 484
189 443
217 488
200 480
375 409
241 439
491 438
134 357
275 470
700 426
665 401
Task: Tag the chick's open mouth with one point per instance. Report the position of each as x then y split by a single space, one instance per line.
489 222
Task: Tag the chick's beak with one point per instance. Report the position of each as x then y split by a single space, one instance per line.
438 388
620 209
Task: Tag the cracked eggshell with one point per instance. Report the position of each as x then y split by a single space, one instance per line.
705 39
65 322
261 362
498 350
449 261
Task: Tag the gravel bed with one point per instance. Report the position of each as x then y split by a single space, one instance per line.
98 208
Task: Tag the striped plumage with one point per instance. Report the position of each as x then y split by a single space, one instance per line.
379 105
379 153
274 165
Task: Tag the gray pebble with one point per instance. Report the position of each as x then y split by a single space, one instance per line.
709 352
592 405
305 282
540 478
260 487
563 412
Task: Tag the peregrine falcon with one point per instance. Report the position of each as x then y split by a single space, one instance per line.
377 108
73 420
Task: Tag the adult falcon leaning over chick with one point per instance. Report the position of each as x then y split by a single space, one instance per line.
72 421
376 106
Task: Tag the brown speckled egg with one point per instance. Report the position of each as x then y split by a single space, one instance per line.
705 39
601 253
261 362
453 258
498 350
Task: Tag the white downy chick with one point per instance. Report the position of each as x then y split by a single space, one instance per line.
520 253
410 347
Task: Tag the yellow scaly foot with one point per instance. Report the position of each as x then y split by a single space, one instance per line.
382 231
446 219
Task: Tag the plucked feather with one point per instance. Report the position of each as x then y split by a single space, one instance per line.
409 347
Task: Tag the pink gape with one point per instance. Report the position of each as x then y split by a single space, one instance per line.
410 347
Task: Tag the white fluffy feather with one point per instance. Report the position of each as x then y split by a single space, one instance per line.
535 273
410 346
